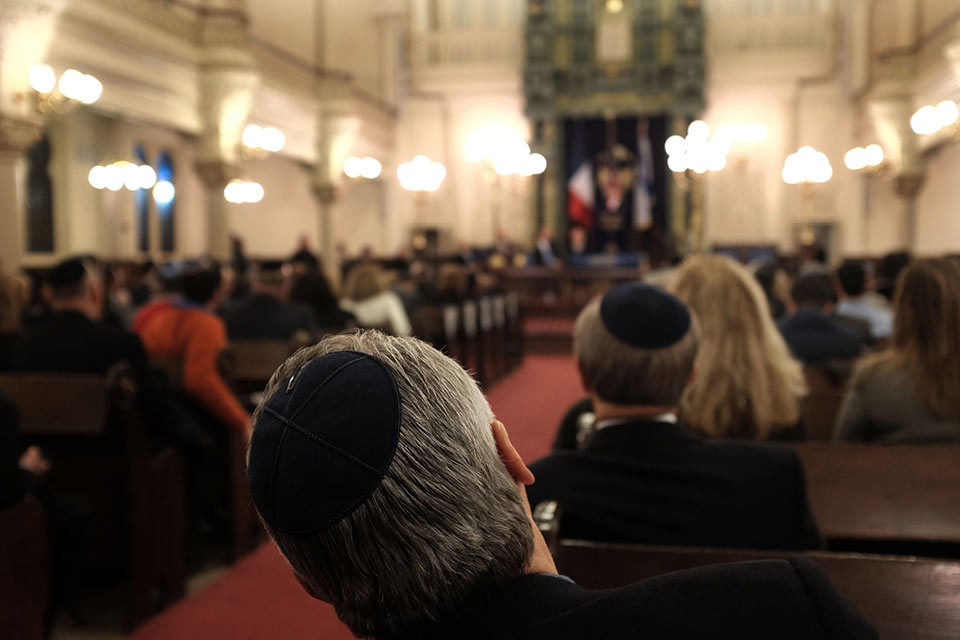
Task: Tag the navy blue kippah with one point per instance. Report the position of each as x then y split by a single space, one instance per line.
644 316
324 441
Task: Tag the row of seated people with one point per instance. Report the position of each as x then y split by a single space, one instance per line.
750 381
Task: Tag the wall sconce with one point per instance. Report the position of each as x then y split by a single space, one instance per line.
421 174
260 141
118 175
243 192
860 158
63 94
697 152
807 165
369 168
929 119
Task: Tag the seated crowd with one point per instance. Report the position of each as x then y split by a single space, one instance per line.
378 469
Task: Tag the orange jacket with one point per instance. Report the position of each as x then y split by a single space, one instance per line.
197 337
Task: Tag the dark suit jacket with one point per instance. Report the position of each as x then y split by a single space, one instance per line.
69 342
814 338
263 317
764 600
13 482
658 483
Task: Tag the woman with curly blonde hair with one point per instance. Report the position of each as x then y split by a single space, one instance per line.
746 385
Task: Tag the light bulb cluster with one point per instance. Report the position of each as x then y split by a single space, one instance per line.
862 157
243 192
122 174
72 86
807 165
268 139
698 151
504 150
930 119
369 168
421 174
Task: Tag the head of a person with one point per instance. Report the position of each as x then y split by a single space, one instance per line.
376 469
272 278
201 284
813 291
452 278
74 285
635 347
926 331
890 267
314 290
364 281
852 277
740 347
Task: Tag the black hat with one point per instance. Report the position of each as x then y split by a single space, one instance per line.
324 442
644 316
266 266
67 274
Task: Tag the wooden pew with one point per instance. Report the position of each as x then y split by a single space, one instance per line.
94 436
249 364
822 404
906 598
244 528
24 571
902 498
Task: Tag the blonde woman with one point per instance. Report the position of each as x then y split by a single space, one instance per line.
746 385
366 296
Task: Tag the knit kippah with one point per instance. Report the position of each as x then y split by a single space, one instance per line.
644 316
324 441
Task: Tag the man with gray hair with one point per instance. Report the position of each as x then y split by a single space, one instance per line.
644 478
382 475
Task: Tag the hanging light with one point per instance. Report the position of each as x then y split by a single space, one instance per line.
806 165
421 174
243 192
164 192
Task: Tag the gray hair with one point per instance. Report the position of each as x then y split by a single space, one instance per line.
623 374
446 521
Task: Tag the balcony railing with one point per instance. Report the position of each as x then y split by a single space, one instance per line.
460 48
766 34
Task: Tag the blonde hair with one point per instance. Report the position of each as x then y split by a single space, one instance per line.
747 384
926 335
364 281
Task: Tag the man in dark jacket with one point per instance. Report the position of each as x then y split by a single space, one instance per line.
266 314
380 472
72 340
643 477
812 334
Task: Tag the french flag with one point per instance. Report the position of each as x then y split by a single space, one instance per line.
581 199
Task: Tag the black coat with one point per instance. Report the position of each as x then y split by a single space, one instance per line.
659 483
815 338
263 317
781 599
13 481
69 342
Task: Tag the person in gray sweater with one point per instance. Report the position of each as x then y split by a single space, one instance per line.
910 392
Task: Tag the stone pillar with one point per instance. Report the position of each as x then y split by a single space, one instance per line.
26 28
336 133
891 107
16 136
228 79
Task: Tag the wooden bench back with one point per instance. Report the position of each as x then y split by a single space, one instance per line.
884 493
24 570
52 404
905 598
822 404
256 360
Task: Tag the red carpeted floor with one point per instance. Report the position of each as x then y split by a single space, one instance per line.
258 598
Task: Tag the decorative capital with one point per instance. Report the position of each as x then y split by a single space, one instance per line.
18 134
326 192
908 185
216 174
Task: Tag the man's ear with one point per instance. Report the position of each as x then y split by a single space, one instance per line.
309 588
693 373
511 459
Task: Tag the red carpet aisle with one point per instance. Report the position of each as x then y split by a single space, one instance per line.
258 599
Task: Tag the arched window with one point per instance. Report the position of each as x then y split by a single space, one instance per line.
141 198
39 198
166 201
